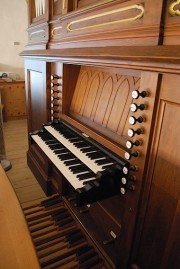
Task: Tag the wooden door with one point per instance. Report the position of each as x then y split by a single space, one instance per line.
160 239
37 94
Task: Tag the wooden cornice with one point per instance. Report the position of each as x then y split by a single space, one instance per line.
150 58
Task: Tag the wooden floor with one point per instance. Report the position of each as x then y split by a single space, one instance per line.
24 183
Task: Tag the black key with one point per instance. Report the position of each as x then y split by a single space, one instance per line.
104 161
76 166
59 212
51 142
64 222
76 241
72 162
90 149
81 144
47 138
95 155
73 139
83 250
92 183
78 169
67 135
61 151
45 135
86 175
108 166
78 139
88 255
55 146
61 216
67 156
70 234
94 261
74 235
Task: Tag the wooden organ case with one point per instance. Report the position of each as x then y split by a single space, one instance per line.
108 71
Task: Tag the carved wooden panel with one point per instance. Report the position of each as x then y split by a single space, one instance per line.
102 100
160 244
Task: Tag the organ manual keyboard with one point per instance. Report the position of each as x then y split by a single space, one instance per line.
92 171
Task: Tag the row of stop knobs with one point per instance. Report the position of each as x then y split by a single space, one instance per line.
133 120
55 98
127 184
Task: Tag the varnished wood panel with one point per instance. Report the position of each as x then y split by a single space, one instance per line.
115 23
60 7
37 95
17 249
160 245
84 3
55 8
102 99
146 58
172 23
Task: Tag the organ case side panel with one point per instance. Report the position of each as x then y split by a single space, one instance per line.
37 95
159 245
38 108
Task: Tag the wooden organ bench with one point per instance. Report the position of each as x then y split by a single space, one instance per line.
17 249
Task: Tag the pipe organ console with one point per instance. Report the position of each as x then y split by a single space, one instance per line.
103 103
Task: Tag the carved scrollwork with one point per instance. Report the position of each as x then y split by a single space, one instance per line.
172 10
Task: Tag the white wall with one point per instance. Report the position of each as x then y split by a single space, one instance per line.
13 25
